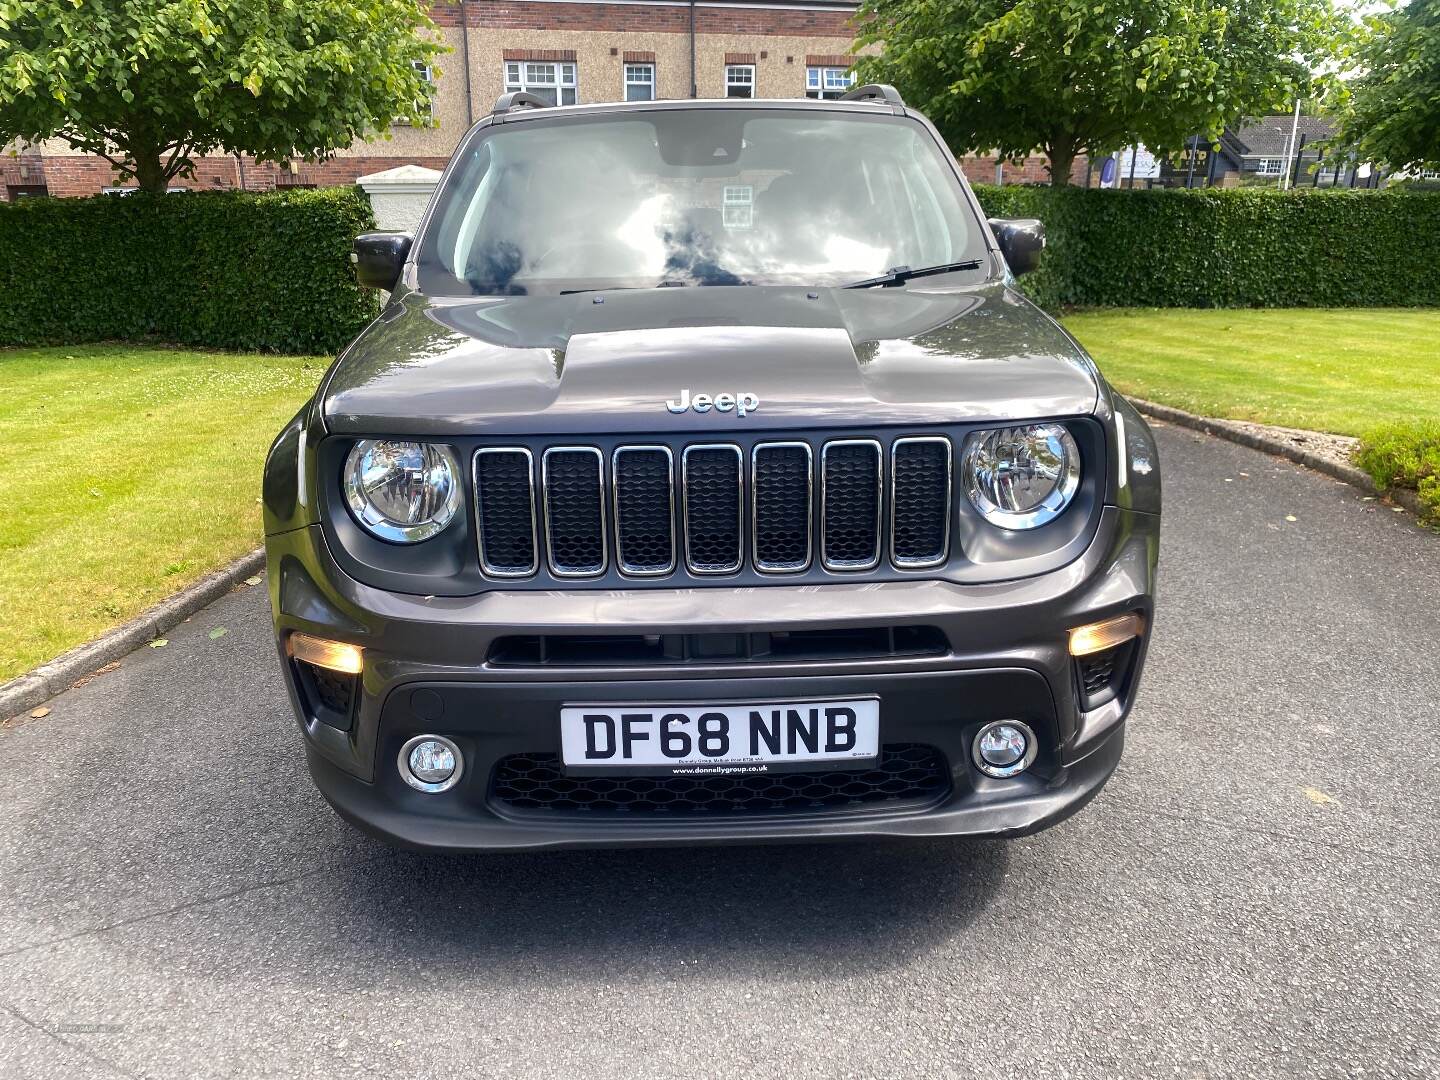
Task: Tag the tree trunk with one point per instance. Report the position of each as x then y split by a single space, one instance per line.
1061 160
149 170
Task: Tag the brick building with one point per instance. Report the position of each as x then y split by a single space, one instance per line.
564 50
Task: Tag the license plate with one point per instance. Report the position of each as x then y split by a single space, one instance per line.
690 739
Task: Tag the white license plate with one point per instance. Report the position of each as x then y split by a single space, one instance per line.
679 740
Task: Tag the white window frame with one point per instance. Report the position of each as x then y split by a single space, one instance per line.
737 208
1428 174
740 75
1263 166
828 82
427 110
543 77
639 73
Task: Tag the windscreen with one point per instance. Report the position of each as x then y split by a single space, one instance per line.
692 197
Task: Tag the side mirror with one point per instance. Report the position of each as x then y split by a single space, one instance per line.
379 258
1021 242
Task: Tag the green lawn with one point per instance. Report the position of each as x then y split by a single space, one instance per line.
129 473
1340 370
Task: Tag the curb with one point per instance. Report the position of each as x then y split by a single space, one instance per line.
1234 432
28 690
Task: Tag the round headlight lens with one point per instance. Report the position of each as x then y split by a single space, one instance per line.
402 491
1021 477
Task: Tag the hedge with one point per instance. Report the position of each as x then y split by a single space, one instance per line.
219 269
1219 247
1406 454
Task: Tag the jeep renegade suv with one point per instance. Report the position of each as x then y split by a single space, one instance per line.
705 478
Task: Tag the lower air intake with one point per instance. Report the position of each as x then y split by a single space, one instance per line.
906 775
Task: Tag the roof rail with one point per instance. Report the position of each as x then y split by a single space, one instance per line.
875 92
517 99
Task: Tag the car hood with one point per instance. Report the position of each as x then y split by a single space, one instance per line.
608 363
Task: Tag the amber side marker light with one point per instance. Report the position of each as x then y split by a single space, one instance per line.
1099 636
332 655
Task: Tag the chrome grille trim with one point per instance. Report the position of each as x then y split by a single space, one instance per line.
949 456
733 568
851 564
485 565
632 570
782 568
556 569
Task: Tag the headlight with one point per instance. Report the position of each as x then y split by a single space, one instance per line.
1021 477
402 491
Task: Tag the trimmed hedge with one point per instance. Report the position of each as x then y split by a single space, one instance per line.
224 270
1219 247
1405 454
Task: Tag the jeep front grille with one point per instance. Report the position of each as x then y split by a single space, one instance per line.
780 507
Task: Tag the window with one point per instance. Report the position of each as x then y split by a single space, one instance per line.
694 197
740 80
1270 166
639 82
828 82
424 110
1430 174
553 83
738 209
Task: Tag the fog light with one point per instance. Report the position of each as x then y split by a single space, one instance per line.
1004 748
431 764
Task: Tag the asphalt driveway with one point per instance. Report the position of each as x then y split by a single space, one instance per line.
1256 893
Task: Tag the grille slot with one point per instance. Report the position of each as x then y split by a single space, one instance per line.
644 509
850 493
574 510
713 500
505 507
906 774
780 512
920 483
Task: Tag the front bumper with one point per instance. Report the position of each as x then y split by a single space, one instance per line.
426 671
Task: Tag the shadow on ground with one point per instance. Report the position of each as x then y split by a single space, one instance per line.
833 908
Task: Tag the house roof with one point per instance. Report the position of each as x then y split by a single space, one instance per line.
1266 136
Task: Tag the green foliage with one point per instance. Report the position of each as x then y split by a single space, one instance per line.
1405 454
1067 76
1393 111
152 84
1216 247
218 269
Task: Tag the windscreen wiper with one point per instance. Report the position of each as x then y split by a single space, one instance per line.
896 275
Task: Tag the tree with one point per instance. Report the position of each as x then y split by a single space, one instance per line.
1392 115
1073 76
150 85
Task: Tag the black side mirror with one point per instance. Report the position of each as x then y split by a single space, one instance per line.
1021 242
379 258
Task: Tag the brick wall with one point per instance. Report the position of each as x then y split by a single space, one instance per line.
980 169
75 175
675 19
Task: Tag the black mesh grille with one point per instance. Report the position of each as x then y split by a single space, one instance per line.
505 507
905 774
644 518
782 507
575 511
921 499
712 509
852 505
1102 674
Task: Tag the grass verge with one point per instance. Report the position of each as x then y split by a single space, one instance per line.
132 471
1341 370
1373 374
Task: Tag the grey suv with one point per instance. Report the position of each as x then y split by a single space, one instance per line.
706 479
